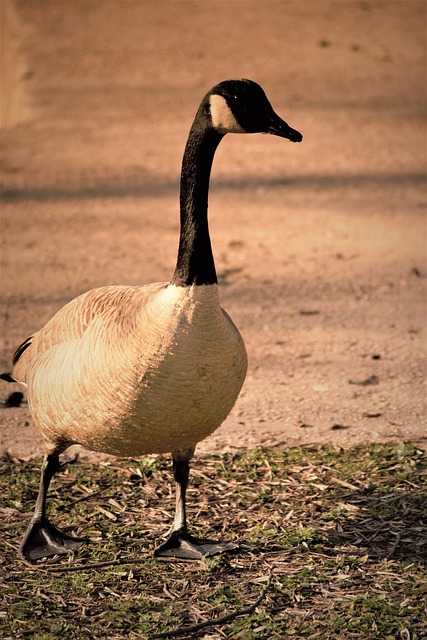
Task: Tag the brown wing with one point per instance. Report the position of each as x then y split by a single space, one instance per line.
70 322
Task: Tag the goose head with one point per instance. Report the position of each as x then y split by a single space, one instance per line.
241 106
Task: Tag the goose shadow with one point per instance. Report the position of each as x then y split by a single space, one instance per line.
379 524
384 524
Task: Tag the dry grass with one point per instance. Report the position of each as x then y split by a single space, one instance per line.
333 545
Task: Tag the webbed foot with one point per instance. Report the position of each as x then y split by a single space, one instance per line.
42 540
182 545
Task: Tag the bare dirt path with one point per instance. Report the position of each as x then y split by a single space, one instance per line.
320 247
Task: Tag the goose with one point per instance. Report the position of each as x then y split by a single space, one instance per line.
154 369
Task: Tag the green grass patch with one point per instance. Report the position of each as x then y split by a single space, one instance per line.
333 546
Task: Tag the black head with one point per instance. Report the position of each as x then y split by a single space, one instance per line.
241 106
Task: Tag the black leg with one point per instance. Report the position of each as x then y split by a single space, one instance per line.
42 539
181 472
179 543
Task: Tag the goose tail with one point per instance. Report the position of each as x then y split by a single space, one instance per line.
7 376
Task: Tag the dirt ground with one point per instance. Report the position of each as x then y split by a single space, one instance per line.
320 247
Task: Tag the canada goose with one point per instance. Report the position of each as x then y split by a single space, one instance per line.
153 369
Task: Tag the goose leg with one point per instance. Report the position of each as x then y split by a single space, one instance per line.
42 539
179 543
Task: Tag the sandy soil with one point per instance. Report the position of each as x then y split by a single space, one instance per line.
320 247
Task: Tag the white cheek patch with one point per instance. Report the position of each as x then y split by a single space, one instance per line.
222 117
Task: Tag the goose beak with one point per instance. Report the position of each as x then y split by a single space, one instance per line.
279 127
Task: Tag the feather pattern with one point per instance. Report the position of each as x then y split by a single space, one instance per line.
134 370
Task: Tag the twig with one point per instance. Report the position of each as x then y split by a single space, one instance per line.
90 566
180 631
395 544
89 496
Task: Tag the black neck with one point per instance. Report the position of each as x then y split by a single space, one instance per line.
195 263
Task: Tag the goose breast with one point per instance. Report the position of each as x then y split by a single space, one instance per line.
135 370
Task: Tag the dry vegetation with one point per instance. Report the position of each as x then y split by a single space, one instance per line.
333 545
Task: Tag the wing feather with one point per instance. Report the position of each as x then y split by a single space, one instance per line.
114 303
